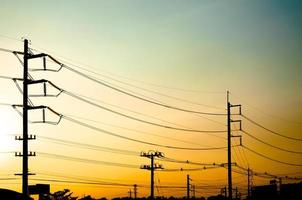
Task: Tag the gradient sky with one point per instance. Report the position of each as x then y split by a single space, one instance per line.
250 47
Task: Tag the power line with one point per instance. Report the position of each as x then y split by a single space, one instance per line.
122 151
8 179
124 137
135 96
101 183
83 96
150 116
5 104
153 92
268 144
267 114
236 157
8 77
145 89
136 140
11 38
142 132
69 158
137 119
123 77
242 155
241 150
79 182
120 136
7 50
121 90
89 146
166 159
189 169
87 179
268 175
128 116
269 130
119 151
269 158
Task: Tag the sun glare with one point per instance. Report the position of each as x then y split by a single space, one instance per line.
8 127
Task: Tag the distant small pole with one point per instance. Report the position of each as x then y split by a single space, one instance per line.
152 167
280 185
248 184
130 194
193 188
135 191
188 186
229 147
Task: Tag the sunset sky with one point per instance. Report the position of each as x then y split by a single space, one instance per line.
185 54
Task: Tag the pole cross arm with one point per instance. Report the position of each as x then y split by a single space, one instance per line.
45 82
36 107
20 174
19 154
240 138
236 105
37 81
36 56
30 137
238 121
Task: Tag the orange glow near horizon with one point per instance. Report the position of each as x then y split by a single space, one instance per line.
181 55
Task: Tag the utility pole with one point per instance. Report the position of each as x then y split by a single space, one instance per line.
135 191
193 189
223 191
26 107
152 167
130 194
25 122
248 184
229 134
280 186
188 186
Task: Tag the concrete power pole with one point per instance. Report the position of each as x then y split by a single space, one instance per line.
248 184
135 191
27 55
188 186
193 189
229 134
25 122
130 194
229 149
152 167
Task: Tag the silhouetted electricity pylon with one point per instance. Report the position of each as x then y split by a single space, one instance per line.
152 167
28 105
249 176
229 121
188 186
27 55
135 191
